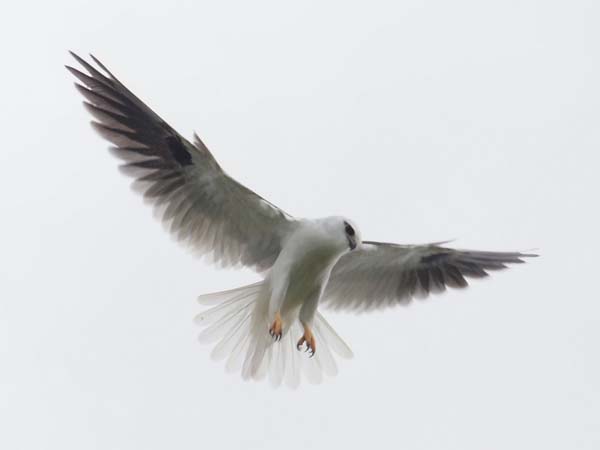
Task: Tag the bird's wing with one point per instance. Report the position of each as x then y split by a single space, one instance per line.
201 205
379 275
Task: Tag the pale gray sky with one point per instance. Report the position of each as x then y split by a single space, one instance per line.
420 120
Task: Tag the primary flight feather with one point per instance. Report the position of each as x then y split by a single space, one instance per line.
305 263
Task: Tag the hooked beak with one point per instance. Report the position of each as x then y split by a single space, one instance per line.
351 242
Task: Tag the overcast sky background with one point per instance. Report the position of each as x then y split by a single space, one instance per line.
420 120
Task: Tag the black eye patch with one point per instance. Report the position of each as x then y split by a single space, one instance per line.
349 230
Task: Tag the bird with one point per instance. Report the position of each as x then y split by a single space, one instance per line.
272 329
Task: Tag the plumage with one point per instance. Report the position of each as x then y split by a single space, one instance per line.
304 263
379 274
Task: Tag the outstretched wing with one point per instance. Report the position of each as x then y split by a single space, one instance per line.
379 275
201 205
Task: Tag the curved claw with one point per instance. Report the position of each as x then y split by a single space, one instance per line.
309 341
276 330
276 336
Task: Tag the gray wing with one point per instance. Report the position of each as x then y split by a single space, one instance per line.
201 205
379 275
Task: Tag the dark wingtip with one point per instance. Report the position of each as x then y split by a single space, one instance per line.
76 73
78 58
520 257
528 255
96 60
102 66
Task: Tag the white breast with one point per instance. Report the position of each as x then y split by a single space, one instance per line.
301 272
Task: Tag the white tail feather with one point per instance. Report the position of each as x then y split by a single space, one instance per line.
238 325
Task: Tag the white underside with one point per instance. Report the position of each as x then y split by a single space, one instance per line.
238 325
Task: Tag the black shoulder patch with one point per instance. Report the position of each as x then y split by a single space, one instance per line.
178 150
435 258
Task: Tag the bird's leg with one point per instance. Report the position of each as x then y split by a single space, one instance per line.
307 339
276 329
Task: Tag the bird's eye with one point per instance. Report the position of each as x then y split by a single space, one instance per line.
349 230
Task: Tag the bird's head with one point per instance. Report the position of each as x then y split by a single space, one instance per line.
344 232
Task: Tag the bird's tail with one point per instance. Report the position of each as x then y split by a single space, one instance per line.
238 324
